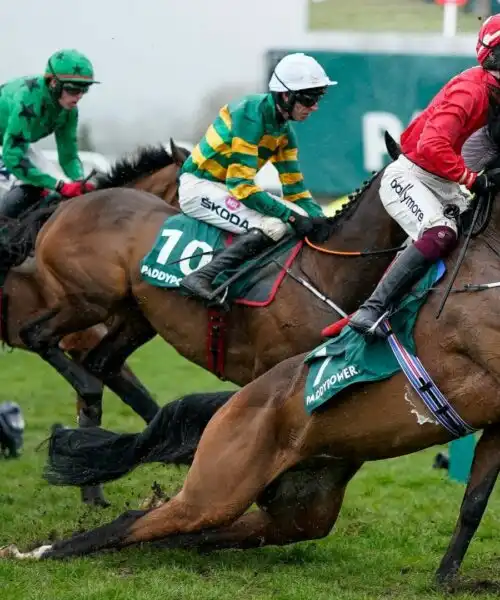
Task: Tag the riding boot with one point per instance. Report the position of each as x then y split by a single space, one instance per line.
245 246
406 270
18 199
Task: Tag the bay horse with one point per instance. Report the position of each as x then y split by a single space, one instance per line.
253 347
88 256
151 168
155 169
262 447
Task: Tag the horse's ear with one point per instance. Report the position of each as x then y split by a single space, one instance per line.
179 154
393 148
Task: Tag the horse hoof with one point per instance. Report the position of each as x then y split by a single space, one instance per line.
151 502
10 551
98 502
102 503
94 496
446 581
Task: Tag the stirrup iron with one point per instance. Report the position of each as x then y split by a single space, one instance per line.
378 322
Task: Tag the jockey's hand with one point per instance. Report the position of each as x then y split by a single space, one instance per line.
486 182
493 176
315 228
302 225
74 188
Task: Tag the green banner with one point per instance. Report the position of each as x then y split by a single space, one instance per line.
343 142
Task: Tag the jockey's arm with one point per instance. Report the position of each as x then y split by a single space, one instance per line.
240 178
440 135
16 141
67 146
291 178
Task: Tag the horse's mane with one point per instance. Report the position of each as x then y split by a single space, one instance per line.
19 235
354 200
145 161
332 224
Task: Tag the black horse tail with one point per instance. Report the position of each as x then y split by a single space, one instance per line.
93 456
18 236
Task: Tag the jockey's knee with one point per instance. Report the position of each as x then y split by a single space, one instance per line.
437 242
273 228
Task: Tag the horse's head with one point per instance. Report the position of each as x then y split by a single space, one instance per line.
152 169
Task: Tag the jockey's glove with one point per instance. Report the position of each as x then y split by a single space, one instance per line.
74 188
302 225
317 228
486 182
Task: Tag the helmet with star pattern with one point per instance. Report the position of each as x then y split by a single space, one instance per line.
70 67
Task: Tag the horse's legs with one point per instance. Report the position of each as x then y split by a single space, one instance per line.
131 391
483 476
42 336
130 332
302 504
242 450
126 385
108 359
123 383
91 494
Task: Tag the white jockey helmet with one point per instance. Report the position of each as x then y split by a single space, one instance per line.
296 72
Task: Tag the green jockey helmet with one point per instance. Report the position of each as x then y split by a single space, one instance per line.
71 67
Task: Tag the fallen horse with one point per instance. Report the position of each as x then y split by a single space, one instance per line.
267 445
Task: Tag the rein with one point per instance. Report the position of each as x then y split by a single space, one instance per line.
481 218
352 254
461 256
354 199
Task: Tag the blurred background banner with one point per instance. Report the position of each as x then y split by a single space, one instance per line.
167 68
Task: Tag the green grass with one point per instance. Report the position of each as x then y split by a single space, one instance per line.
384 15
393 529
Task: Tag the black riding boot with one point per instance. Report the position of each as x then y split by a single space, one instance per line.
18 199
244 246
406 270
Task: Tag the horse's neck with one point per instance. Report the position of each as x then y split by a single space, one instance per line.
162 184
494 223
351 280
487 237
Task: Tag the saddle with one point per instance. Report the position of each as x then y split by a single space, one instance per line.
183 244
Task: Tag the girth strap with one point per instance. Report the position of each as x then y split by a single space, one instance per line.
430 394
216 337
